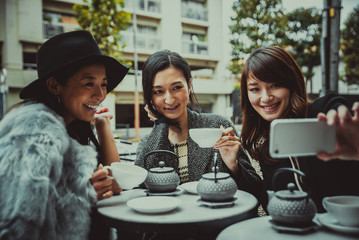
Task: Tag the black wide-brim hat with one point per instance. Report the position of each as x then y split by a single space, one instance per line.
65 50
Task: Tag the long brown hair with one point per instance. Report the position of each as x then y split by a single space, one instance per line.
271 65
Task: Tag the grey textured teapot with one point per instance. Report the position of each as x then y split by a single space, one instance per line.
290 207
216 186
162 179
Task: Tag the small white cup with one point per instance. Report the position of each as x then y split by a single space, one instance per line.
345 209
127 175
205 137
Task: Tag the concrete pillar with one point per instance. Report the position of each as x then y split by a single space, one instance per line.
12 54
30 20
220 106
216 37
171 26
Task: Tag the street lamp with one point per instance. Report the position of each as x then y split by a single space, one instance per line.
137 101
330 45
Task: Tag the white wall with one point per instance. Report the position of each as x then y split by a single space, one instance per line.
171 28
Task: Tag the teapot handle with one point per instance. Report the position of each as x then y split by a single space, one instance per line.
280 170
159 151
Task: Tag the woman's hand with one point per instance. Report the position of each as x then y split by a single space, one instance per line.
347 133
101 183
102 119
228 146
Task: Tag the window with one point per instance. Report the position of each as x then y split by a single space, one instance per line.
206 107
144 5
55 23
146 38
194 43
125 114
29 61
194 10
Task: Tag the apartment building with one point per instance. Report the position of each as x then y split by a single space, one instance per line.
197 29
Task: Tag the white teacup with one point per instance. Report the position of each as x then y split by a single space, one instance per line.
205 137
345 209
127 175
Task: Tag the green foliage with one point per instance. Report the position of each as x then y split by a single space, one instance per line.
350 47
257 23
104 19
236 66
303 38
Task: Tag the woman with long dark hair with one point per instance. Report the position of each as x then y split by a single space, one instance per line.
272 87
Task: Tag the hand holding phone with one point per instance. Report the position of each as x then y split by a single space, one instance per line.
300 137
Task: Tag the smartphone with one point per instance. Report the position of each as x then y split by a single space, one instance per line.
300 137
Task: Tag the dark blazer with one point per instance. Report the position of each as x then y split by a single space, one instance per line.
200 160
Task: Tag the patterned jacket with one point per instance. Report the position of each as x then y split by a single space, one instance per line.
200 160
45 189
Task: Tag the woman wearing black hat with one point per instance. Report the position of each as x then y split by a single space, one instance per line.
49 153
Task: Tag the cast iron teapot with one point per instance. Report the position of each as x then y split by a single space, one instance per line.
290 207
216 186
162 179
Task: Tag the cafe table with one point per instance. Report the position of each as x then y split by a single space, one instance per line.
189 220
260 228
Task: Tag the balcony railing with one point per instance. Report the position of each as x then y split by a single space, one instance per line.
194 10
153 6
143 41
189 46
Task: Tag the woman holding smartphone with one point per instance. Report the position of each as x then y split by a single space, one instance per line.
273 87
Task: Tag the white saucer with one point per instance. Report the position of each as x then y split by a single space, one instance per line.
174 193
330 222
216 204
154 204
190 187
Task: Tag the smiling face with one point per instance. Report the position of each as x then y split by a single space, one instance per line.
170 94
83 93
269 100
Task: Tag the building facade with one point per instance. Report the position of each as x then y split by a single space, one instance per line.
196 29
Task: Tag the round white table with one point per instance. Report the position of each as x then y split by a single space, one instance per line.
260 228
189 219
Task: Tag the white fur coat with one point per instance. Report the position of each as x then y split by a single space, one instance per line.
45 192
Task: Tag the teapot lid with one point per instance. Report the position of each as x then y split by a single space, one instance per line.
291 193
161 168
211 176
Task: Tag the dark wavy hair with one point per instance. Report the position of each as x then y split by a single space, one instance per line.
272 65
160 61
